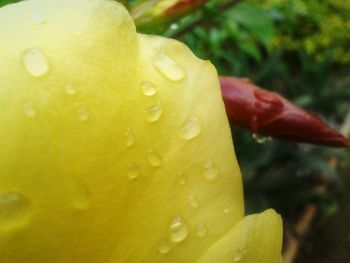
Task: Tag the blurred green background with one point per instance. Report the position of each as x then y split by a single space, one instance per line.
301 49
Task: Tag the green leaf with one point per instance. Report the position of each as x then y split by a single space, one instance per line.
254 19
251 49
6 2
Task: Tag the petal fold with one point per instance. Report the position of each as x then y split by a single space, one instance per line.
255 239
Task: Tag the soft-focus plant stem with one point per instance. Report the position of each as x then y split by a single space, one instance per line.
300 230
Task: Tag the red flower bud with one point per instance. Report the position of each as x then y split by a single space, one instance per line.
268 113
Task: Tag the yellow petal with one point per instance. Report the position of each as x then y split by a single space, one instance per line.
115 146
256 238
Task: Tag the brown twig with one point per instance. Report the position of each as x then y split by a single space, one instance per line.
299 232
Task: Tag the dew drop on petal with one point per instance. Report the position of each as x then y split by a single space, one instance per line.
38 17
226 210
35 62
181 178
129 138
148 89
193 201
83 113
178 229
191 127
29 110
201 230
70 89
133 171
80 196
164 247
168 67
14 210
210 171
238 254
154 158
154 112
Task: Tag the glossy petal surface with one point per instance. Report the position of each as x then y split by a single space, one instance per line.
92 169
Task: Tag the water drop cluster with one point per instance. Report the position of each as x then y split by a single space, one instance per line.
15 208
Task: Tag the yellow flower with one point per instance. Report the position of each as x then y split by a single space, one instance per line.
115 147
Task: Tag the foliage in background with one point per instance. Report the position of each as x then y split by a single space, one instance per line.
314 26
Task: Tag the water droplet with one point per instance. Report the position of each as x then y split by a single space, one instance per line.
178 229
38 17
29 110
148 89
129 138
238 254
201 230
181 178
164 247
76 31
154 112
193 201
210 171
133 171
174 26
80 196
35 62
191 127
168 67
260 138
83 114
14 210
70 89
226 209
154 158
